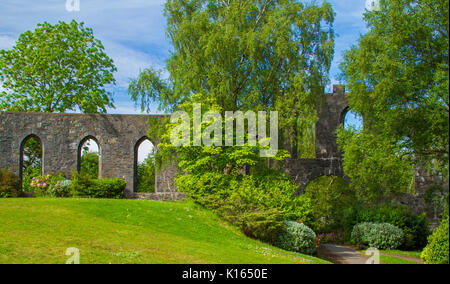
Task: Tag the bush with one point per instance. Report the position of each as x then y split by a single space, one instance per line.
437 250
60 188
256 222
377 235
297 237
197 187
414 226
84 186
329 196
9 184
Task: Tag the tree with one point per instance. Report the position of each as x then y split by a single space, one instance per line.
398 78
89 164
244 55
56 68
146 175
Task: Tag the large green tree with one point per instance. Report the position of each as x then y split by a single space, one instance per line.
56 68
398 80
244 55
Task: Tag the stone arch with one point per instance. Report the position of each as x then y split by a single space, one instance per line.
80 153
347 111
136 160
21 153
343 115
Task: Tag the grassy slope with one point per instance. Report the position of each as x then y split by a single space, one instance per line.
125 231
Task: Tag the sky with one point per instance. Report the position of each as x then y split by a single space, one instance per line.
133 33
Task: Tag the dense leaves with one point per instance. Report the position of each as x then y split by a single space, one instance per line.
56 68
398 77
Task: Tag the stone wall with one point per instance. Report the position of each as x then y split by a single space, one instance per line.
61 136
328 160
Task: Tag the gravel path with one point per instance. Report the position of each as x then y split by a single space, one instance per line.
341 255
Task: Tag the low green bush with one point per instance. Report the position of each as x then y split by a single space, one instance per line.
256 204
437 250
414 226
84 186
377 235
60 188
329 196
297 237
9 184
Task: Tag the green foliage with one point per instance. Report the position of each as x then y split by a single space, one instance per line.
39 184
84 186
257 55
376 165
329 196
28 174
32 163
415 227
297 237
9 184
146 175
56 68
60 188
256 222
377 235
90 164
398 80
257 204
437 250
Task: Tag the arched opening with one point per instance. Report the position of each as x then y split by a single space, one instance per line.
352 120
89 157
144 166
330 196
31 162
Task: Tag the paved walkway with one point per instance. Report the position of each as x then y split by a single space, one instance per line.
342 255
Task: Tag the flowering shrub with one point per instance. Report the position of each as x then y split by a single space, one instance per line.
331 238
377 235
297 237
60 188
40 184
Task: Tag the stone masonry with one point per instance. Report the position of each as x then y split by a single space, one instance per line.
119 137
62 135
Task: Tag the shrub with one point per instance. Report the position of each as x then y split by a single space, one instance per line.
199 186
377 235
297 237
329 197
414 226
39 184
256 222
84 186
9 184
437 250
60 188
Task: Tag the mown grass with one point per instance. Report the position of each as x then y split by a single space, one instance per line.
415 254
400 257
126 231
387 259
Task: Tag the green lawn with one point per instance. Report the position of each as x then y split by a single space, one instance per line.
395 257
387 259
126 231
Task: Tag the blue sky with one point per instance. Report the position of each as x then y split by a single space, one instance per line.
133 32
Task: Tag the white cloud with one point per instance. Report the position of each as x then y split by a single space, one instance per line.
6 42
